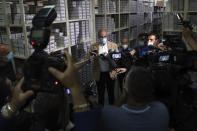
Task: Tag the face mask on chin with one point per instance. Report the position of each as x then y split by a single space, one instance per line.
103 40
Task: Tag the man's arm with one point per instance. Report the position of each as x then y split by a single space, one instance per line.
191 40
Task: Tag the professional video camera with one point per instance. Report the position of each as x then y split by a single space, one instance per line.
47 109
36 67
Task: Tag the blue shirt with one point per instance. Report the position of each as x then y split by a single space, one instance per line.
153 117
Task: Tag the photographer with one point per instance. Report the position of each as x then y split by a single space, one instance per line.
103 66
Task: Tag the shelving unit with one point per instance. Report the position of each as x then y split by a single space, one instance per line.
123 18
70 12
187 8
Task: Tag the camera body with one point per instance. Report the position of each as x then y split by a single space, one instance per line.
36 74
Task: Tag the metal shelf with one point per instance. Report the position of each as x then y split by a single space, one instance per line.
78 20
20 57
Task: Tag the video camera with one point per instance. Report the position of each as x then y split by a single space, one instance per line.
36 72
186 24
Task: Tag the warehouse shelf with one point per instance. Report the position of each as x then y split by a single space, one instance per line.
166 30
124 18
73 20
61 21
20 57
123 28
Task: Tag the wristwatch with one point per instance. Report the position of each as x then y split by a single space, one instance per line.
7 111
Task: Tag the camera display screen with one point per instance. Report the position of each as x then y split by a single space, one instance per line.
116 56
164 58
37 33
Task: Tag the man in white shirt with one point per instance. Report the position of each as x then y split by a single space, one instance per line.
102 66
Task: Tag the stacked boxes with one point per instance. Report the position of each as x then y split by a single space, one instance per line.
111 25
133 6
140 6
124 20
100 23
124 6
140 18
110 6
16 13
18 44
58 38
101 6
133 19
61 10
79 31
168 21
8 9
79 9
3 36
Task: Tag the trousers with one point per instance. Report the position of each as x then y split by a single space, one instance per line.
105 82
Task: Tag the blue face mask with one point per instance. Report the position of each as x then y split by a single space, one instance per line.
103 41
141 43
9 57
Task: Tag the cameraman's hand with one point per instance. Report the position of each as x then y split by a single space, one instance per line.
70 79
113 74
121 70
19 97
132 52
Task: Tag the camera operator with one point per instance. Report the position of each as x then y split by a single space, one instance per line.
103 66
11 101
6 68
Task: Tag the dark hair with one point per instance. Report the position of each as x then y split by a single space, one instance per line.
4 90
140 84
154 34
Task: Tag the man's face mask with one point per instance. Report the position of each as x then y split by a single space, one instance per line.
124 46
9 57
150 43
141 43
103 40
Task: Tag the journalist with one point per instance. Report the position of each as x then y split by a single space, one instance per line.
103 66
